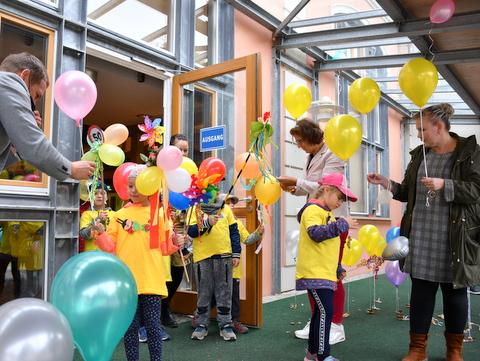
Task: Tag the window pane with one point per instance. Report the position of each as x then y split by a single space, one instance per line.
145 21
201 32
16 39
358 168
21 259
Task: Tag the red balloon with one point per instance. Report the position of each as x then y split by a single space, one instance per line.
212 170
120 179
31 178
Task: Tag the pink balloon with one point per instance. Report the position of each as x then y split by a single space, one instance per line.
393 273
75 94
169 158
441 11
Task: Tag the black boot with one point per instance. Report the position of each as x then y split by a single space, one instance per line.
167 318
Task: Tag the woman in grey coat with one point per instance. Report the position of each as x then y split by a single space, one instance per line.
442 222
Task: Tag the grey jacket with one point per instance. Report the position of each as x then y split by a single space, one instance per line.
463 193
18 128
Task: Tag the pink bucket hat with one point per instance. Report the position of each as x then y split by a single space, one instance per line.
338 180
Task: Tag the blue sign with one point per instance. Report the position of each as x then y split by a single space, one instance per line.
212 138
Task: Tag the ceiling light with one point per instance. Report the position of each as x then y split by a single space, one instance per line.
324 109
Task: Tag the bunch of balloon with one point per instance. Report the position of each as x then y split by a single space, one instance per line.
364 94
166 174
297 99
75 94
34 330
98 295
370 238
441 11
202 187
418 80
104 148
343 135
178 200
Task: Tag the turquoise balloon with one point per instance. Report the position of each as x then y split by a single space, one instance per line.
97 294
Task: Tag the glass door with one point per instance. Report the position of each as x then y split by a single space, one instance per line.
226 94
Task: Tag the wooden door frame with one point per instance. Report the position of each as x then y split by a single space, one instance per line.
251 306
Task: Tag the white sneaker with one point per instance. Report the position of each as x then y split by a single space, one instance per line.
337 333
303 333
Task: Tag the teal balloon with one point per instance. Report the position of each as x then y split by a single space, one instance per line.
98 295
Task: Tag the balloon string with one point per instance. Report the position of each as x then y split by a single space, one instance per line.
427 203
431 44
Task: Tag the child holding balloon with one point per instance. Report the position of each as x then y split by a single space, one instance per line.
129 236
216 251
320 239
92 217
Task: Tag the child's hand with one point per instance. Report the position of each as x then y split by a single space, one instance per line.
352 222
212 220
261 229
235 262
103 215
98 229
179 240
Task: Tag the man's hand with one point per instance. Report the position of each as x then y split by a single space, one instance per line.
38 118
81 169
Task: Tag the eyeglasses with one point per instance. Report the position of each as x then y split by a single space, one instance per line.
298 141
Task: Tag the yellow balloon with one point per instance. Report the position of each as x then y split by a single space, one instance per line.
111 154
418 80
369 236
377 249
297 99
148 181
364 94
89 156
83 190
352 252
115 134
189 165
343 135
267 190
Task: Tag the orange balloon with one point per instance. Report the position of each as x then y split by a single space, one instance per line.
251 168
115 134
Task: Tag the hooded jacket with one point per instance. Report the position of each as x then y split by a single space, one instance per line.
464 201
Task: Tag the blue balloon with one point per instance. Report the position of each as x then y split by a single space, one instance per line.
178 200
392 233
98 295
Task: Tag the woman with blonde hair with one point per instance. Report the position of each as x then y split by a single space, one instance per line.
442 222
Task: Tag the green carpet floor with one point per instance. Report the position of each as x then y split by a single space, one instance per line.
377 336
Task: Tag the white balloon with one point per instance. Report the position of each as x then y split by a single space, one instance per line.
178 180
291 242
396 249
34 330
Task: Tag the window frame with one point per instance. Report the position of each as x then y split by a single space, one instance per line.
41 187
